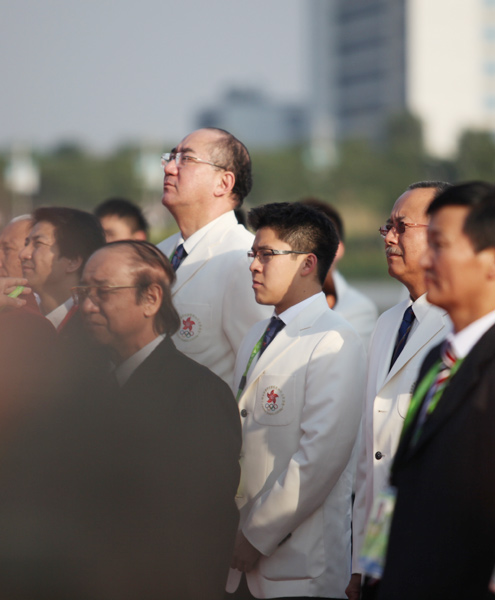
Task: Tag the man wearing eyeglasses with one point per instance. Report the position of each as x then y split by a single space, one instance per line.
402 337
207 176
183 521
299 381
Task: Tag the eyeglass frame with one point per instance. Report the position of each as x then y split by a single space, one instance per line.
400 227
267 253
106 289
178 156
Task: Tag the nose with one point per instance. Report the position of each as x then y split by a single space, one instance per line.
88 306
391 237
25 253
170 168
255 265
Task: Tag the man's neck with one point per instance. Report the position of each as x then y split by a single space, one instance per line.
190 220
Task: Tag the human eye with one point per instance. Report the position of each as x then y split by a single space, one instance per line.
187 159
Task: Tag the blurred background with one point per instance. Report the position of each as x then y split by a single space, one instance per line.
346 100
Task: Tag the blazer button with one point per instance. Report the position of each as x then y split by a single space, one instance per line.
378 455
243 412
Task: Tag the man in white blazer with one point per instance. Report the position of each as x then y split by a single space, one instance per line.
207 176
389 386
300 402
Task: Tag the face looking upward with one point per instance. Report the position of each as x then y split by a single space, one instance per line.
404 250
193 183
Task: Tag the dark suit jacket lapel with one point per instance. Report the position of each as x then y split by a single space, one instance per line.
454 396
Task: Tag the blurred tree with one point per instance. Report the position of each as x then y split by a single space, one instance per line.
476 156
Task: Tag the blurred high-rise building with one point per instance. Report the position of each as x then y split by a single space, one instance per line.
375 58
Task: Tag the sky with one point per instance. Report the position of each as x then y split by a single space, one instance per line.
107 72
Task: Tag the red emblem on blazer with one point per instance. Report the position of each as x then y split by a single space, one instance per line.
187 324
190 327
272 400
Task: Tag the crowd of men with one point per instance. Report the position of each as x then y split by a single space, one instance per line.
191 420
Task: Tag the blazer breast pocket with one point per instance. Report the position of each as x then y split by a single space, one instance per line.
194 334
275 400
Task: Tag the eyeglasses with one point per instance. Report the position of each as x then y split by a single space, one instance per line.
264 256
399 226
182 159
96 293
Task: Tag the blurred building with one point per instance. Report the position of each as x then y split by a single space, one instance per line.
374 58
257 120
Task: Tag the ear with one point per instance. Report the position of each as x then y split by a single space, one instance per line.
490 257
340 253
309 265
74 264
225 184
139 235
152 300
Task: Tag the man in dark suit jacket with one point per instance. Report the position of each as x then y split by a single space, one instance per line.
186 418
442 537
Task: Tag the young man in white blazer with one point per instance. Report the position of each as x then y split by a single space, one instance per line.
207 176
391 379
300 401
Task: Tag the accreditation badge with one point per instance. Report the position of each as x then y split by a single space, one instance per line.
372 558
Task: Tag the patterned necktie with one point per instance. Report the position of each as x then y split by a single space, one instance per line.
404 329
276 324
179 255
434 393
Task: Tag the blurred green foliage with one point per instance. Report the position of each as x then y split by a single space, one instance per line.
362 182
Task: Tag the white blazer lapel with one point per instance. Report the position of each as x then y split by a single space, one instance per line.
427 328
286 338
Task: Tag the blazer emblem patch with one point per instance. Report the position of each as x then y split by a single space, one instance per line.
190 327
272 400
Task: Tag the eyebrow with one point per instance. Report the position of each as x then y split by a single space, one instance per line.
183 150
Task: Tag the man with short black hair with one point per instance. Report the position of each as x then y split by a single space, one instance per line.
442 536
54 255
122 220
207 176
299 381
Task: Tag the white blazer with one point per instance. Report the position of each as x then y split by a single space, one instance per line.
300 414
388 394
214 297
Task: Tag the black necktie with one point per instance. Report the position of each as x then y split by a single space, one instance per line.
404 329
179 255
273 328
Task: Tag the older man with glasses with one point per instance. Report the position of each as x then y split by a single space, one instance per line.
402 337
207 176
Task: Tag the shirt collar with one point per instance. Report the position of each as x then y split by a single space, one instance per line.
194 239
57 315
464 341
291 313
127 368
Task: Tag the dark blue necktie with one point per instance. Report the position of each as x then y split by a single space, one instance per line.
273 328
179 255
404 329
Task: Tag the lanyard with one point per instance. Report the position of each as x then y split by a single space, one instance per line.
256 349
422 390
